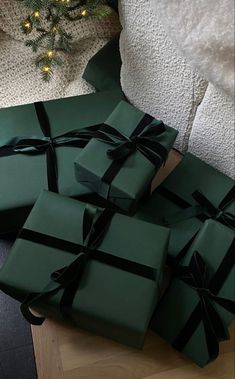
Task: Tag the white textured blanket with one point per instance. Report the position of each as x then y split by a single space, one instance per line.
164 47
155 76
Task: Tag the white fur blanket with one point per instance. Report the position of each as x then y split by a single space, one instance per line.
170 50
204 31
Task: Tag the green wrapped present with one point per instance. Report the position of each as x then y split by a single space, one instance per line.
120 163
103 69
93 267
192 193
199 305
38 144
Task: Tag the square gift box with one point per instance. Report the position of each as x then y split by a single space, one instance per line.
128 151
192 193
199 305
24 169
106 267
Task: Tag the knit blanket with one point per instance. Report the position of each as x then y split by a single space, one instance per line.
20 80
170 51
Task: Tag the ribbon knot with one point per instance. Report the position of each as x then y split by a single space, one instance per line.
203 292
143 138
47 144
94 227
198 277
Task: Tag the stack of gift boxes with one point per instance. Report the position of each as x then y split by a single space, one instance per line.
93 241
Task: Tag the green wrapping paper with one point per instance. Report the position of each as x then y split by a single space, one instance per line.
103 69
23 176
136 171
199 305
109 301
173 203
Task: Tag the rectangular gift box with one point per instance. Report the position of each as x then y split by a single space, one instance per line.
103 69
192 193
199 305
125 177
118 287
22 176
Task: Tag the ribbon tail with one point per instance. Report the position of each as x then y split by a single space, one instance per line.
52 170
213 327
122 151
228 219
33 298
227 304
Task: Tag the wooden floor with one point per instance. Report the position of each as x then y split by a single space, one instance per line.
64 352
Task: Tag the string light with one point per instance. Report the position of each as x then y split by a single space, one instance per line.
50 53
84 13
36 14
52 36
27 26
46 69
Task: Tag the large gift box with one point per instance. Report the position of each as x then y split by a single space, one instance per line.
103 69
120 163
38 144
199 305
192 193
99 269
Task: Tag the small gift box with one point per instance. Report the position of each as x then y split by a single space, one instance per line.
199 305
192 193
120 163
98 269
103 69
38 144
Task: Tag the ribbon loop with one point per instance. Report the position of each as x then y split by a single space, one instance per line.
219 214
196 275
144 139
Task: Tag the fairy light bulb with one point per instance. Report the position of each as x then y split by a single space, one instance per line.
84 13
50 53
46 69
36 14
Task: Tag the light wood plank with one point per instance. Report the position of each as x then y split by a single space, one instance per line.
67 353
63 352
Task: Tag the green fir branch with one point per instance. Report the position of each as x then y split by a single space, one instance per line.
53 39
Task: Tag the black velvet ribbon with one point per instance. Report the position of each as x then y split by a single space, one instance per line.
197 276
47 144
143 139
204 209
68 278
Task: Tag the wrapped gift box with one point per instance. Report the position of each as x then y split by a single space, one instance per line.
114 298
120 164
199 305
24 175
182 201
103 69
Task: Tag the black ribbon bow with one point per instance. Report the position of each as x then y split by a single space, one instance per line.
219 214
47 144
143 139
68 278
197 276
203 210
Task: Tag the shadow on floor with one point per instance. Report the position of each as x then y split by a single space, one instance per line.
16 348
